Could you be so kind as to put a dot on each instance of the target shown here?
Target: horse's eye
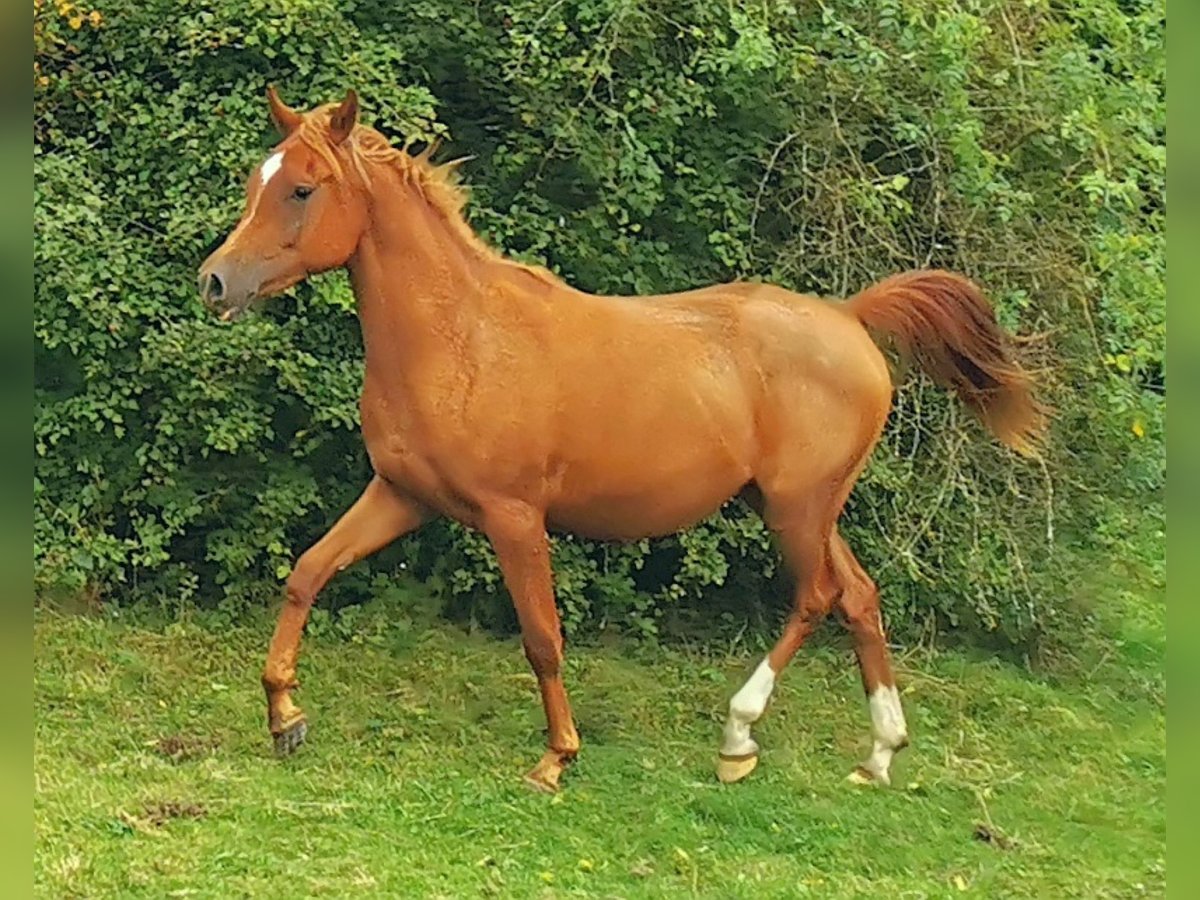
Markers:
(303, 192)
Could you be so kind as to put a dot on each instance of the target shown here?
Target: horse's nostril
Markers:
(215, 287)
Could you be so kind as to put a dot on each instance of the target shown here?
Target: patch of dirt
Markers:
(989, 834)
(182, 747)
(156, 815)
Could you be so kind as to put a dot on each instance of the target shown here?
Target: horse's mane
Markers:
(439, 185)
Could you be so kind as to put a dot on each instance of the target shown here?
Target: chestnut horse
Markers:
(500, 396)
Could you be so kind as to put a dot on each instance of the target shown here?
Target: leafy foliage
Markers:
(631, 148)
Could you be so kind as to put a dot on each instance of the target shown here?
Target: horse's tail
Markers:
(945, 322)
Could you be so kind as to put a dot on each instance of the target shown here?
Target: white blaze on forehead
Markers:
(272, 165)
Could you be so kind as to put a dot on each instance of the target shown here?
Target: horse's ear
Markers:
(344, 118)
(285, 118)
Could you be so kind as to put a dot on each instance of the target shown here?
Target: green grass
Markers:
(409, 785)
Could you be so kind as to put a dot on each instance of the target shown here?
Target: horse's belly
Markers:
(646, 506)
(655, 466)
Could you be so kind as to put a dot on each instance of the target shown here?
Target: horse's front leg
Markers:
(518, 535)
(377, 518)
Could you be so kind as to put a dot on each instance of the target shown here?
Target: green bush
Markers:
(631, 148)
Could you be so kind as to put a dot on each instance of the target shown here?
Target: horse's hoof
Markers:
(731, 769)
(538, 781)
(864, 776)
(288, 740)
(544, 776)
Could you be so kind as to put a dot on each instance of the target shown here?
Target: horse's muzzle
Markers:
(219, 293)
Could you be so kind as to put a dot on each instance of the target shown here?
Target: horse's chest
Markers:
(405, 456)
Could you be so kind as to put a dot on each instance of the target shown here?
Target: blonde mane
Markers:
(438, 185)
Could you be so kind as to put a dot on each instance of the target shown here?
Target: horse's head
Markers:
(305, 211)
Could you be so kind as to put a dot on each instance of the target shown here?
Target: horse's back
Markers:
(783, 333)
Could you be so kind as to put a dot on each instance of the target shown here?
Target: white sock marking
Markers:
(745, 708)
(273, 164)
(888, 730)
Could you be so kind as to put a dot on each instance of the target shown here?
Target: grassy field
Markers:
(154, 776)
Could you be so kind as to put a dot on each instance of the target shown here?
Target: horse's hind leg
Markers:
(858, 605)
(804, 537)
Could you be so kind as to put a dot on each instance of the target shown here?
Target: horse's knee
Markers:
(299, 594)
(277, 676)
(275, 680)
(544, 652)
(302, 585)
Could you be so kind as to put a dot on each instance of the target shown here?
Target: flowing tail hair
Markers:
(945, 323)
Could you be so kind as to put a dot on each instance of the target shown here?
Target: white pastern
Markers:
(888, 729)
(745, 708)
(271, 167)
(887, 718)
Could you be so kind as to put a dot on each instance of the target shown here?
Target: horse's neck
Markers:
(416, 281)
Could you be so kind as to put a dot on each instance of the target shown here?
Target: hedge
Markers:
(632, 148)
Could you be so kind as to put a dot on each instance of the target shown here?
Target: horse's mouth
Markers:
(233, 313)
(235, 309)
